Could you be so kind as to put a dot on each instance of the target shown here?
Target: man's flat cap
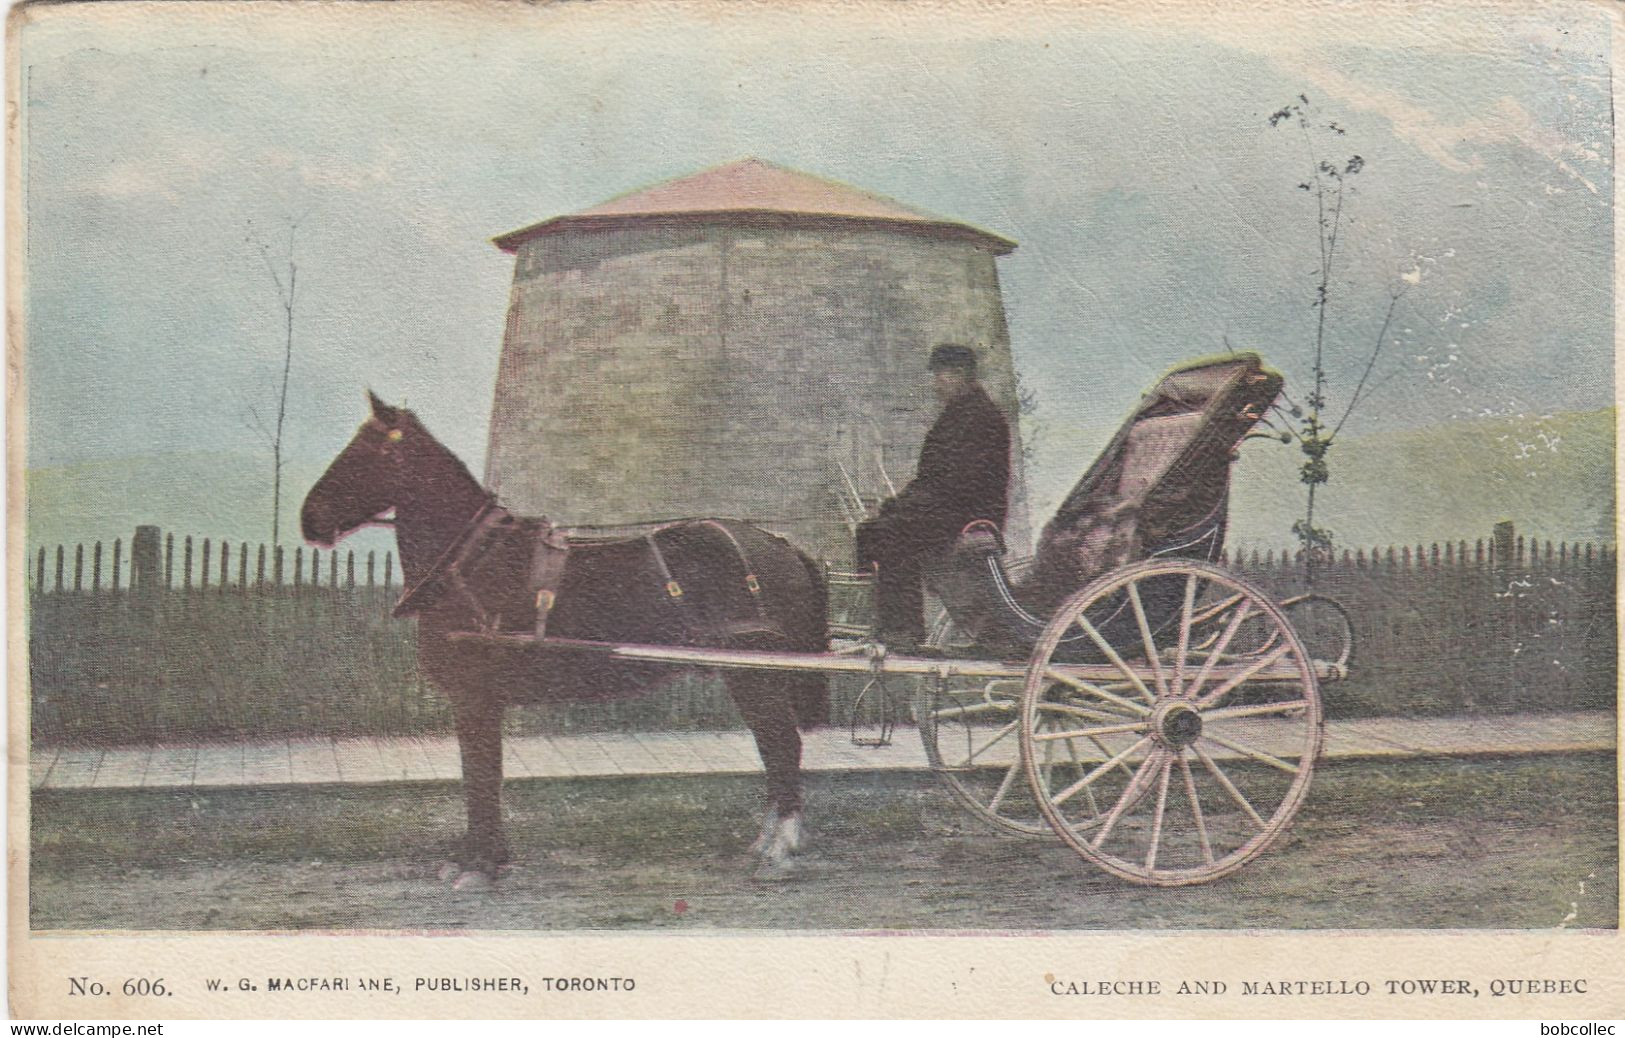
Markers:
(953, 357)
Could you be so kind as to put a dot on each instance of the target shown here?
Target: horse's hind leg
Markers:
(479, 736)
(772, 720)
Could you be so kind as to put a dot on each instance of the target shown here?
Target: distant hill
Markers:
(1553, 476)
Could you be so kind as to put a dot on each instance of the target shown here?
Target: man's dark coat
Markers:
(964, 474)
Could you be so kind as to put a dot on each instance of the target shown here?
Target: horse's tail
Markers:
(809, 690)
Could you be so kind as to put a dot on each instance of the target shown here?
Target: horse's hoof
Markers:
(785, 838)
(474, 880)
(764, 839)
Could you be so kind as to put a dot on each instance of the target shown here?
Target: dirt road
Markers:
(1515, 842)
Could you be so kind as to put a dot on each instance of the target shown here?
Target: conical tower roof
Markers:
(756, 193)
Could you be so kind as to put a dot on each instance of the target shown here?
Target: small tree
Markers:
(285, 275)
(1329, 184)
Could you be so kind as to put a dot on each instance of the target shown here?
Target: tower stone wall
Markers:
(702, 368)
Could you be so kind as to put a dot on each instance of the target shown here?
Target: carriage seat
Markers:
(974, 587)
(978, 540)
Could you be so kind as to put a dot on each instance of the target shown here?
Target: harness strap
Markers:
(674, 590)
(445, 569)
(466, 553)
(552, 549)
(752, 585)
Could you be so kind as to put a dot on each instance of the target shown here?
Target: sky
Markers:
(166, 149)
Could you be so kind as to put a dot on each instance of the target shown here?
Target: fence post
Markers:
(96, 569)
(259, 570)
(276, 565)
(186, 565)
(242, 568)
(298, 567)
(333, 568)
(369, 568)
(169, 560)
(203, 570)
(225, 565)
(118, 552)
(39, 576)
(349, 570)
(78, 567)
(1501, 545)
(389, 564)
(146, 555)
(315, 567)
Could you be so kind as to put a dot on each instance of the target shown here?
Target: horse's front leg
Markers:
(772, 720)
(479, 736)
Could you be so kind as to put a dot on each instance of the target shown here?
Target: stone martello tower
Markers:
(740, 342)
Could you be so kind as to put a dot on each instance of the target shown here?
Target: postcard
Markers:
(802, 509)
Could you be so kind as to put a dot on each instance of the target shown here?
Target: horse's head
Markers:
(382, 470)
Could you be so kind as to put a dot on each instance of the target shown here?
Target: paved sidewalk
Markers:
(292, 762)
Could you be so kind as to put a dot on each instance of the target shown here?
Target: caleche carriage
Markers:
(1157, 712)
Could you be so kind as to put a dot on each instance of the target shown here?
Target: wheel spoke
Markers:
(1006, 730)
(1101, 714)
(1095, 690)
(1089, 779)
(1196, 809)
(1150, 642)
(1241, 676)
(1216, 609)
(1184, 633)
(1077, 762)
(1111, 654)
(1083, 733)
(1131, 793)
(1105, 751)
(1156, 818)
(1255, 711)
(1218, 650)
(1256, 754)
(1229, 787)
(1004, 787)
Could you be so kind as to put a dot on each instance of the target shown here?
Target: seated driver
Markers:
(963, 476)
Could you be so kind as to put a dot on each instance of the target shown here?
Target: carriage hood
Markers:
(1166, 474)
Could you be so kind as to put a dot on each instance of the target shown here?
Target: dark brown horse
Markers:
(471, 566)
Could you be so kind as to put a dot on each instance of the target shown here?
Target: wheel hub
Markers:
(1177, 725)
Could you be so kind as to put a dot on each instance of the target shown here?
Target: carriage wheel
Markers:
(968, 727)
(1208, 743)
(1324, 626)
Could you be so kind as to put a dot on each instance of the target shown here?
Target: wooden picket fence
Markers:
(192, 639)
(1455, 628)
(216, 565)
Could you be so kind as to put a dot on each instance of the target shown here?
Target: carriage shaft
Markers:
(865, 663)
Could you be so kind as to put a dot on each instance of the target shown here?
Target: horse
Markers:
(469, 566)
